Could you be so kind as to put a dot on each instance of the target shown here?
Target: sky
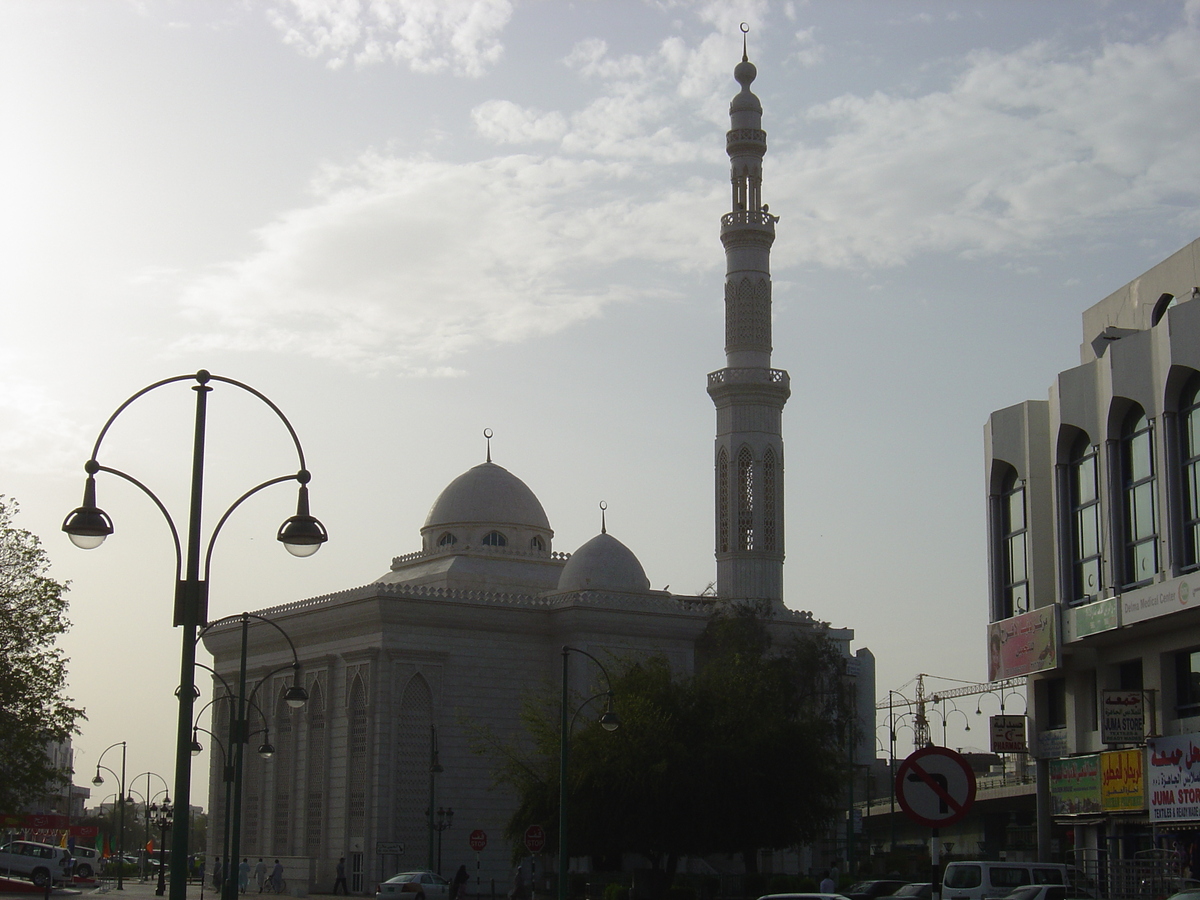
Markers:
(406, 221)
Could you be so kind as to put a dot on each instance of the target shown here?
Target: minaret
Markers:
(748, 393)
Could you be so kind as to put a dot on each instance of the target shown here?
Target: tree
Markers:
(33, 708)
(747, 753)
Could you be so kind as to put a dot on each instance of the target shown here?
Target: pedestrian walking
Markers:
(260, 874)
(340, 881)
(277, 877)
(244, 875)
(458, 885)
(217, 872)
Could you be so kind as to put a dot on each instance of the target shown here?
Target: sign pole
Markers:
(935, 859)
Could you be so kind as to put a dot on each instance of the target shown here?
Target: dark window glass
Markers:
(1189, 415)
(536, 543)
(1056, 703)
(1129, 674)
(1187, 681)
(1015, 574)
(1140, 560)
(959, 875)
(495, 539)
(447, 540)
(1087, 536)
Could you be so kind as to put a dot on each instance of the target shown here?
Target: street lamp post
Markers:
(445, 818)
(435, 769)
(163, 818)
(98, 780)
(88, 526)
(148, 804)
(609, 721)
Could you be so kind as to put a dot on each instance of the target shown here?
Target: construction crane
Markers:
(917, 704)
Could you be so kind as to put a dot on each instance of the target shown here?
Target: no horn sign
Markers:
(935, 786)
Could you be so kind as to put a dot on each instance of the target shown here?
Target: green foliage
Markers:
(747, 753)
(33, 709)
(616, 892)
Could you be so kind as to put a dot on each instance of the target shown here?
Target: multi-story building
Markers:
(1094, 559)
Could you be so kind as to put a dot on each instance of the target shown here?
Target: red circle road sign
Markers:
(535, 838)
(935, 786)
(478, 839)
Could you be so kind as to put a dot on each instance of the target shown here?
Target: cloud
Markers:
(504, 122)
(459, 36)
(1021, 147)
(407, 263)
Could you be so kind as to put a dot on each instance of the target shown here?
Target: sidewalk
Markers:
(133, 890)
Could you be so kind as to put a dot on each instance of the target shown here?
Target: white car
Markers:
(87, 861)
(40, 863)
(424, 885)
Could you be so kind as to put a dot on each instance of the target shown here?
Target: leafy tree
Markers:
(33, 708)
(747, 753)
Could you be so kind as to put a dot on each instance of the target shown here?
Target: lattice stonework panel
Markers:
(284, 764)
(412, 763)
(315, 805)
(745, 484)
(769, 530)
(356, 762)
(723, 501)
(748, 313)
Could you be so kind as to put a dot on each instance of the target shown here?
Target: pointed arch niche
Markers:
(412, 762)
(356, 756)
(314, 811)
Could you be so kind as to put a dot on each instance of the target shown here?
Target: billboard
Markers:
(1075, 785)
(1122, 782)
(1022, 644)
(1173, 778)
(1008, 734)
(1123, 717)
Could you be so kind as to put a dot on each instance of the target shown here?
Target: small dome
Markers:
(489, 494)
(745, 101)
(603, 564)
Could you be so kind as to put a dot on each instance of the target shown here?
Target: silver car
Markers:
(40, 863)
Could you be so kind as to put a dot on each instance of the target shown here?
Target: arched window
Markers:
(745, 486)
(536, 543)
(769, 500)
(1014, 571)
(1189, 461)
(495, 539)
(1140, 559)
(1086, 534)
(414, 746)
(722, 502)
(284, 763)
(447, 540)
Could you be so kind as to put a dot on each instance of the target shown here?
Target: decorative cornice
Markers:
(468, 550)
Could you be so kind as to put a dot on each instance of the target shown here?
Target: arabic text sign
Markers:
(1022, 644)
(1122, 717)
(1155, 600)
(1008, 734)
(1091, 618)
(1122, 785)
(1173, 777)
(1075, 785)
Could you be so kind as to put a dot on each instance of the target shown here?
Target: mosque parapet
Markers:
(751, 375)
(399, 562)
(743, 220)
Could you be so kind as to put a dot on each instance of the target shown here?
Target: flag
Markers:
(150, 845)
(63, 840)
(107, 848)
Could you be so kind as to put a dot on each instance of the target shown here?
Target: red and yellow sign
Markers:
(1122, 780)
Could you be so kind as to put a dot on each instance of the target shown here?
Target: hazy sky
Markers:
(408, 220)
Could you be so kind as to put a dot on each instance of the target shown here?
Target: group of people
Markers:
(274, 881)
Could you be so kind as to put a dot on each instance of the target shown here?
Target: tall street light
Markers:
(239, 730)
(164, 819)
(99, 780)
(609, 721)
(89, 525)
(435, 769)
(165, 790)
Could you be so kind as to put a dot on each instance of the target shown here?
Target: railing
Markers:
(748, 376)
(750, 217)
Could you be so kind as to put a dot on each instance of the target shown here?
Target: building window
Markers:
(1056, 703)
(495, 539)
(745, 486)
(1140, 560)
(1086, 537)
(447, 540)
(536, 543)
(1189, 451)
(722, 502)
(356, 762)
(1014, 575)
(315, 811)
(1187, 682)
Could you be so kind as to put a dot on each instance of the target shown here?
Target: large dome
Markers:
(603, 564)
(487, 494)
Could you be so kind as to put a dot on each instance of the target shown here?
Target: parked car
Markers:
(87, 861)
(920, 890)
(1048, 892)
(869, 890)
(423, 885)
(984, 879)
(813, 896)
(40, 863)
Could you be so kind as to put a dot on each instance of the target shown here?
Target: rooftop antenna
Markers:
(603, 526)
(487, 433)
(745, 30)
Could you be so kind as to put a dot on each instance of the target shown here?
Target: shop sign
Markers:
(1123, 717)
(1091, 618)
(1008, 734)
(1173, 778)
(1122, 785)
(1022, 644)
(1051, 744)
(1156, 600)
(1075, 785)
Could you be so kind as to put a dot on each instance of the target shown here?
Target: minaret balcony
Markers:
(750, 375)
(747, 223)
(753, 385)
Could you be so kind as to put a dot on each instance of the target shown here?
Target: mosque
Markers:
(401, 671)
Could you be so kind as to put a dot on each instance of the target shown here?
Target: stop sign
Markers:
(478, 839)
(535, 838)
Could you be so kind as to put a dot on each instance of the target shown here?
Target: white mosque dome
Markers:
(603, 564)
(487, 494)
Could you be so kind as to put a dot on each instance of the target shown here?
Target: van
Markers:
(987, 880)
